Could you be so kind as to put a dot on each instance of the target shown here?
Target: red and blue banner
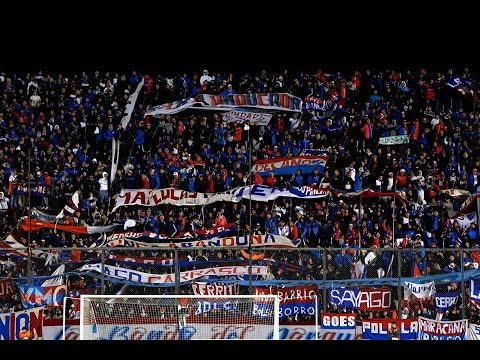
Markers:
(36, 189)
(32, 295)
(442, 330)
(6, 288)
(11, 324)
(294, 300)
(290, 165)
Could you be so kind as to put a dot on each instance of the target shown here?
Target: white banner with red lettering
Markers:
(172, 196)
(230, 241)
(218, 331)
(185, 276)
(203, 288)
(429, 329)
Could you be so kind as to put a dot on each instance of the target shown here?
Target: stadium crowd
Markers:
(56, 131)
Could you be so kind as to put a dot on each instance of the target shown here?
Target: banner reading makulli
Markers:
(290, 165)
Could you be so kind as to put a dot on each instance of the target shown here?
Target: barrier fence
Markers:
(165, 270)
(372, 284)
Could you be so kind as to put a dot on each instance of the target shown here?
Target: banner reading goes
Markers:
(344, 323)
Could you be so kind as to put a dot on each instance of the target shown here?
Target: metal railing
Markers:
(166, 270)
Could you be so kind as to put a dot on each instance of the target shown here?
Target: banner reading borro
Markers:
(380, 329)
(294, 300)
(290, 165)
(442, 330)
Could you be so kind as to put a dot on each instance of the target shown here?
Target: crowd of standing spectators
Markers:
(56, 131)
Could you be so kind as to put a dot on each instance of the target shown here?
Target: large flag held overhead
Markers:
(37, 225)
(269, 101)
(72, 205)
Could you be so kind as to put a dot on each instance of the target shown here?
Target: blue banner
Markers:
(334, 321)
(205, 306)
(390, 329)
(445, 301)
(262, 309)
(475, 291)
(345, 297)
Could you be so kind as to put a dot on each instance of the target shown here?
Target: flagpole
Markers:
(29, 234)
(250, 260)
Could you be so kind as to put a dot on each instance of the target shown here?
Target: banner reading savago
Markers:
(442, 330)
(374, 299)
